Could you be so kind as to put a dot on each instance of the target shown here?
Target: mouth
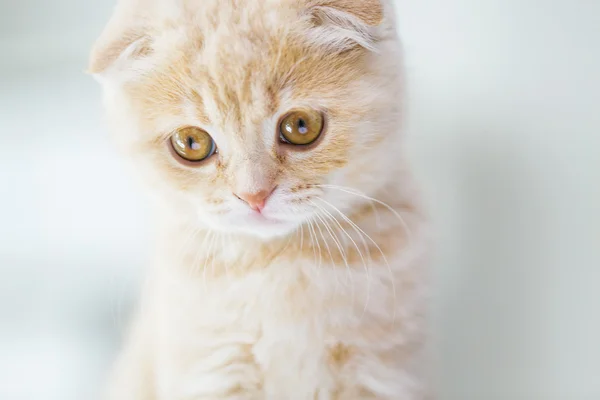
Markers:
(263, 225)
(261, 219)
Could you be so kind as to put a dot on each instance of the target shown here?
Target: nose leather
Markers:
(256, 200)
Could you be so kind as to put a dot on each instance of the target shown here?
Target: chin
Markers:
(256, 225)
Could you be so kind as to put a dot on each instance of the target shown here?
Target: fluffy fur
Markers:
(322, 295)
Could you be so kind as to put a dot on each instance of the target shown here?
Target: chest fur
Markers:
(282, 330)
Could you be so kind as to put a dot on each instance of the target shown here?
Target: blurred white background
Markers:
(504, 131)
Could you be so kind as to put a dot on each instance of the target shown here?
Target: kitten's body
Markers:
(320, 296)
(257, 321)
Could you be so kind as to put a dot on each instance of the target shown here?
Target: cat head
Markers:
(254, 116)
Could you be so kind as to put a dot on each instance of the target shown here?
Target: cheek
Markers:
(314, 166)
(196, 186)
(212, 194)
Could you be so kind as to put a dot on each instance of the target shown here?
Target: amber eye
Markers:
(193, 144)
(301, 127)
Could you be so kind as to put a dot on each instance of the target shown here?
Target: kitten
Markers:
(290, 254)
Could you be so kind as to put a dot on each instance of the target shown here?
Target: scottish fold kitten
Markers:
(290, 249)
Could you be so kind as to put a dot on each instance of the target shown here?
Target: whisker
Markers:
(340, 248)
(312, 240)
(319, 246)
(323, 237)
(334, 236)
(378, 248)
(356, 228)
(360, 232)
(338, 244)
(329, 230)
(358, 193)
(357, 249)
(387, 206)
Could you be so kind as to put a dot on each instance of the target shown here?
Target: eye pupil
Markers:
(192, 144)
(302, 127)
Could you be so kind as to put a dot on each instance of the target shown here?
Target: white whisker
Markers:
(340, 248)
(372, 199)
(342, 252)
(314, 239)
(323, 237)
(378, 248)
(357, 249)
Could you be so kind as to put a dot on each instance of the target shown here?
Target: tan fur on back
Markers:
(322, 296)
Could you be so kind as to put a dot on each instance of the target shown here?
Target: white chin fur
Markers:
(254, 225)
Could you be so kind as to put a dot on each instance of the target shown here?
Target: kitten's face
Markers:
(247, 129)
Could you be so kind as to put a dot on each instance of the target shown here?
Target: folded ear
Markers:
(124, 40)
(369, 12)
(341, 24)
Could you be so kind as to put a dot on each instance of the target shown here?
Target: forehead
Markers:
(240, 76)
(234, 67)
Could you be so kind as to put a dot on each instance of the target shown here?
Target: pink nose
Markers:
(257, 200)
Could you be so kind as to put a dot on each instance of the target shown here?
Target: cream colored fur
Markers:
(323, 296)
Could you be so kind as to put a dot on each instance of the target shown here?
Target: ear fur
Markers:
(124, 39)
(342, 24)
(369, 12)
(337, 24)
